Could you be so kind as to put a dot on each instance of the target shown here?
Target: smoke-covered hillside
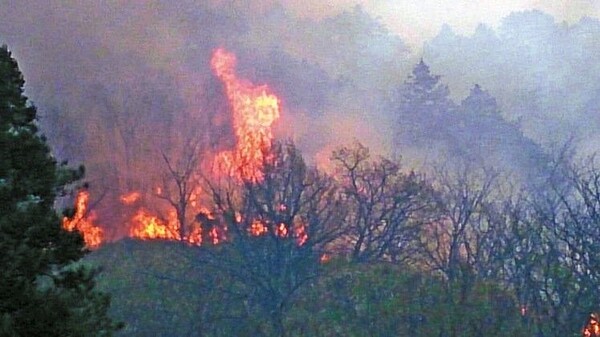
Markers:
(119, 83)
(544, 73)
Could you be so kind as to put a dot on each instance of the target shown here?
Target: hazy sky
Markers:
(414, 20)
(418, 20)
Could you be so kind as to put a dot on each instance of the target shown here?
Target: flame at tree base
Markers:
(254, 109)
(83, 222)
(148, 226)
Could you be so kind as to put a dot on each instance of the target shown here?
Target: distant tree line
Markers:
(372, 248)
(459, 250)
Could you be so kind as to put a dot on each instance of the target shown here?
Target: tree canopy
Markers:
(43, 291)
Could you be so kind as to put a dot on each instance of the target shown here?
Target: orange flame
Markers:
(130, 198)
(195, 237)
(257, 228)
(84, 221)
(254, 111)
(592, 327)
(255, 108)
(281, 231)
(215, 236)
(149, 226)
(300, 234)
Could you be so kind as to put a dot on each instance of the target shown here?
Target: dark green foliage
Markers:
(42, 293)
(160, 290)
(155, 289)
(423, 109)
(387, 300)
(271, 268)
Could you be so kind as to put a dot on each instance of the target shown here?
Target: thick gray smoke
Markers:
(545, 74)
(117, 82)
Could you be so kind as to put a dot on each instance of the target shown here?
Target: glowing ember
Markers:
(300, 234)
(281, 231)
(149, 226)
(195, 237)
(214, 236)
(209, 223)
(254, 111)
(130, 198)
(258, 228)
(592, 327)
(84, 221)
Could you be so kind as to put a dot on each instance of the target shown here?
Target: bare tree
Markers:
(459, 242)
(550, 249)
(276, 230)
(181, 184)
(382, 203)
(570, 217)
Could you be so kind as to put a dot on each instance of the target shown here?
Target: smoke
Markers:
(543, 72)
(119, 82)
(418, 21)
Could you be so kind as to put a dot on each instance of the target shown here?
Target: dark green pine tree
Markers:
(423, 108)
(44, 290)
(484, 135)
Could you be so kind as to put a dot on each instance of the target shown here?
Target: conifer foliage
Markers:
(423, 106)
(44, 290)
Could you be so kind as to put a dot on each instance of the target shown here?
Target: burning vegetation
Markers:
(186, 160)
(83, 221)
(254, 110)
(277, 222)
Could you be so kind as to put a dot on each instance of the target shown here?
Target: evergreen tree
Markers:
(424, 108)
(483, 131)
(484, 134)
(480, 102)
(43, 290)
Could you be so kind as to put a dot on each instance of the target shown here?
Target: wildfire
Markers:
(281, 231)
(254, 111)
(147, 226)
(301, 234)
(592, 327)
(130, 198)
(258, 228)
(83, 221)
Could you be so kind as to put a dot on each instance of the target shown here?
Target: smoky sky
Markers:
(150, 59)
(118, 82)
(96, 67)
(418, 21)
